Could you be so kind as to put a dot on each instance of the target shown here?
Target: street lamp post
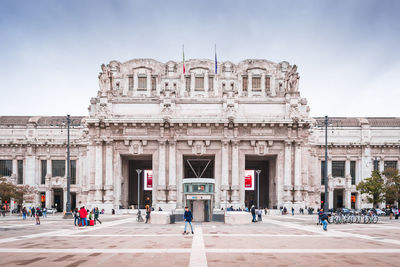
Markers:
(138, 187)
(258, 188)
(68, 213)
(326, 206)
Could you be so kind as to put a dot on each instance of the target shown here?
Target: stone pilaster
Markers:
(224, 170)
(235, 172)
(288, 172)
(161, 186)
(98, 180)
(172, 172)
(109, 172)
(297, 173)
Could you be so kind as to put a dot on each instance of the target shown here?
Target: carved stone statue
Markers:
(105, 79)
(292, 79)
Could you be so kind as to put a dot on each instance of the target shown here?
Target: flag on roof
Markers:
(183, 54)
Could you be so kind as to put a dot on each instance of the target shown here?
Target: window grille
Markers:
(210, 83)
(188, 83)
(322, 172)
(5, 168)
(73, 171)
(256, 83)
(20, 171)
(353, 172)
(244, 83)
(267, 83)
(338, 168)
(154, 83)
(44, 171)
(58, 168)
(142, 83)
(130, 80)
(199, 83)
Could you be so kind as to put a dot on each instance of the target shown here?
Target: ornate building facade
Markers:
(192, 137)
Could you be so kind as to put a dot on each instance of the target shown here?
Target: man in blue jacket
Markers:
(187, 217)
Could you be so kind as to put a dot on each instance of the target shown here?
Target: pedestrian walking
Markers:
(320, 212)
(24, 213)
(148, 211)
(44, 212)
(38, 214)
(187, 216)
(96, 215)
(292, 211)
(33, 212)
(77, 220)
(253, 213)
(324, 219)
(82, 214)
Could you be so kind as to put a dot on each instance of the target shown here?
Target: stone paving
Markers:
(276, 241)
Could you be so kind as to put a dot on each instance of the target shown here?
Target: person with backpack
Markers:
(148, 212)
(77, 220)
(96, 215)
(187, 217)
(38, 214)
(253, 213)
(324, 220)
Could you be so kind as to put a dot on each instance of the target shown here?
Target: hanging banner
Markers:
(148, 179)
(249, 179)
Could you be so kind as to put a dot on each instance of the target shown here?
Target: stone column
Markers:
(64, 199)
(117, 180)
(381, 164)
(263, 90)
(249, 83)
(135, 82)
(179, 190)
(272, 86)
(98, 180)
(161, 172)
(192, 83)
(172, 172)
(15, 168)
(49, 201)
(224, 170)
(330, 197)
(109, 173)
(235, 172)
(288, 172)
(148, 85)
(358, 201)
(297, 173)
(206, 81)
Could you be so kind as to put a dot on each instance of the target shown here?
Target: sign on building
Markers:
(249, 179)
(148, 179)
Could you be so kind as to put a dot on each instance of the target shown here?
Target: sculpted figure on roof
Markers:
(104, 79)
(292, 79)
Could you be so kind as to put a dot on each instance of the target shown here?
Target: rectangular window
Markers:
(390, 165)
(58, 168)
(73, 171)
(142, 83)
(199, 83)
(267, 83)
(130, 81)
(338, 168)
(353, 172)
(244, 83)
(256, 83)
(154, 83)
(5, 168)
(44, 171)
(210, 83)
(188, 83)
(20, 171)
(376, 165)
(322, 172)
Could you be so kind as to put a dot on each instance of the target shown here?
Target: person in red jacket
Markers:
(82, 215)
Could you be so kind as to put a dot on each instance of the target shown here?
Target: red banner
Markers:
(249, 180)
(148, 179)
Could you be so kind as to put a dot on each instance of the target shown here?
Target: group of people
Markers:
(86, 217)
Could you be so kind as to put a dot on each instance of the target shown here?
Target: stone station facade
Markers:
(197, 132)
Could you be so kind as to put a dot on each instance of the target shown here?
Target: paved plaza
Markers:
(121, 241)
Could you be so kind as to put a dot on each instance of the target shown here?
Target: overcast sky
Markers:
(347, 51)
